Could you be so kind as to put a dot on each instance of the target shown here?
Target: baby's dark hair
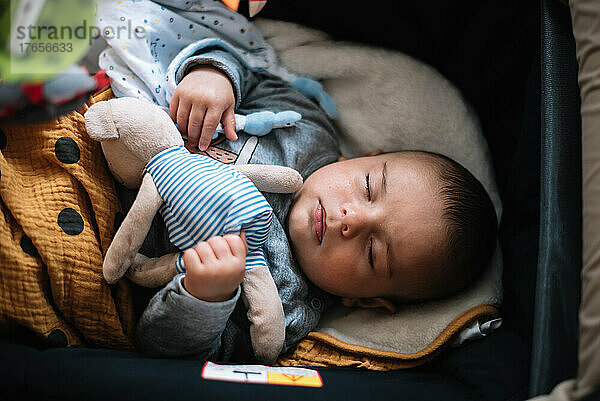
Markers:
(471, 224)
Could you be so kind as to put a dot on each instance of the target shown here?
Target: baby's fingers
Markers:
(220, 247)
(205, 252)
(191, 258)
(211, 120)
(228, 121)
(195, 124)
(237, 244)
(183, 114)
(173, 107)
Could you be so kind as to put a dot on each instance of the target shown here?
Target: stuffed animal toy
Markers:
(198, 197)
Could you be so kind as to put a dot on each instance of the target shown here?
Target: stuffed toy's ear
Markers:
(270, 178)
(99, 122)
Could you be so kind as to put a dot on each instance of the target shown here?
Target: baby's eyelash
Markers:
(368, 187)
(371, 252)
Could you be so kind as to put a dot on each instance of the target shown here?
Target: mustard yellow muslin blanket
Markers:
(59, 214)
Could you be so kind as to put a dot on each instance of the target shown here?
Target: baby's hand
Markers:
(203, 98)
(215, 268)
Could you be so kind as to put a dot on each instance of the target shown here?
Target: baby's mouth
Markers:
(320, 225)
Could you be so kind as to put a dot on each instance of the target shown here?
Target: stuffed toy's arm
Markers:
(156, 272)
(132, 232)
(271, 178)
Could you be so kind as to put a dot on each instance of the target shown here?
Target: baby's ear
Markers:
(373, 153)
(376, 302)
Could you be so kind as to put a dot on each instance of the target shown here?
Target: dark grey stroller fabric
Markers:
(554, 345)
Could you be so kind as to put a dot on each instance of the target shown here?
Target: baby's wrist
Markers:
(205, 68)
(199, 67)
(209, 75)
(218, 296)
(183, 291)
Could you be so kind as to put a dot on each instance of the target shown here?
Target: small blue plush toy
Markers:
(314, 90)
(262, 122)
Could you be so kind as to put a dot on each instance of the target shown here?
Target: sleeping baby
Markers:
(375, 231)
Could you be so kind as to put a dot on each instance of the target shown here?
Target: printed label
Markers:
(262, 374)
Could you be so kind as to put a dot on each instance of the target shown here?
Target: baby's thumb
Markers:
(228, 120)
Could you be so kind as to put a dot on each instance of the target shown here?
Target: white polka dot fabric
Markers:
(144, 38)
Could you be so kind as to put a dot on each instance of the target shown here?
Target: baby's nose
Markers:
(353, 222)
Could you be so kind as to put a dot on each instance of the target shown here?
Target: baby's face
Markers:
(369, 227)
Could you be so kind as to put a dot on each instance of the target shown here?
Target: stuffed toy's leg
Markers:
(130, 236)
(265, 312)
(153, 272)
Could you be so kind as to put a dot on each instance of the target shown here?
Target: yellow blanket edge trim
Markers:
(451, 329)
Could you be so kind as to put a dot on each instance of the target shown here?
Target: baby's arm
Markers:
(188, 316)
(176, 324)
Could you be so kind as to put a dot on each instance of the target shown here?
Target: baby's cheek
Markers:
(337, 266)
(319, 269)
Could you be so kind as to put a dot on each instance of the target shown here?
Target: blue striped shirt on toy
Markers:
(204, 198)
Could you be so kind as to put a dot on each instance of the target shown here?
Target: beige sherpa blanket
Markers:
(390, 101)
